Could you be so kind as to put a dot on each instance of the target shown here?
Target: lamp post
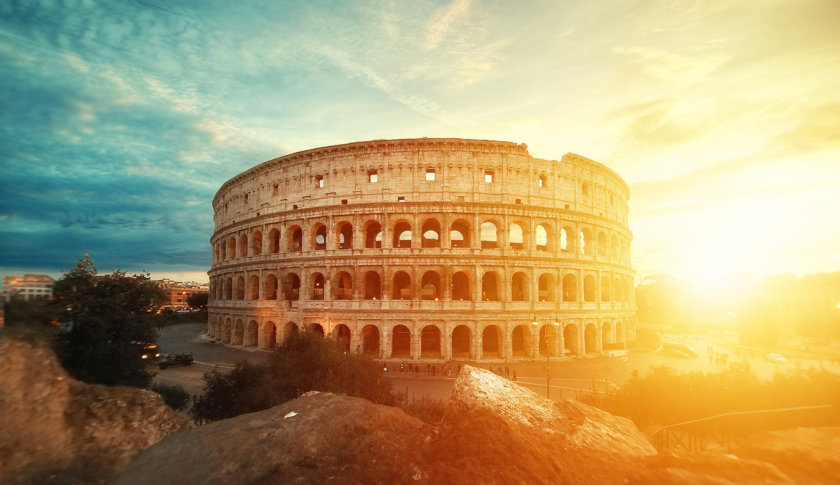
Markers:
(550, 335)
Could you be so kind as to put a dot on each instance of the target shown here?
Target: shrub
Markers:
(301, 364)
(174, 396)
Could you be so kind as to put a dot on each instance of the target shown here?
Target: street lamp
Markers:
(550, 335)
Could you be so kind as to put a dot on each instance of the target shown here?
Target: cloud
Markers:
(439, 26)
(680, 69)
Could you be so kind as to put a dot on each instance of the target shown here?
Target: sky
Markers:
(119, 121)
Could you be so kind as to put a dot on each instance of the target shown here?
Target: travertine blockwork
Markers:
(425, 249)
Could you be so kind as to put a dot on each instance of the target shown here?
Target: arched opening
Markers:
(373, 235)
(606, 333)
(373, 286)
(402, 235)
(430, 233)
(345, 236)
(229, 289)
(548, 335)
(566, 241)
(343, 286)
(318, 284)
(270, 332)
(232, 248)
(238, 332)
(546, 287)
(295, 239)
(243, 246)
(605, 288)
(291, 331)
(489, 235)
(459, 236)
(589, 289)
(461, 286)
(619, 332)
(587, 246)
(569, 288)
(223, 251)
(319, 237)
(240, 288)
(517, 236)
(570, 339)
(370, 340)
(519, 287)
(342, 337)
(292, 287)
(401, 342)
(519, 340)
(256, 243)
(270, 287)
(461, 342)
(603, 245)
(402, 286)
(430, 286)
(430, 342)
(274, 241)
(541, 237)
(490, 286)
(251, 334)
(491, 342)
(253, 287)
(316, 329)
(590, 339)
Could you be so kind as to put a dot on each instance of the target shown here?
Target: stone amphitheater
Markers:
(425, 249)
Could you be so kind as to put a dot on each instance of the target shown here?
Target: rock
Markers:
(495, 431)
(317, 438)
(54, 428)
(707, 469)
(808, 455)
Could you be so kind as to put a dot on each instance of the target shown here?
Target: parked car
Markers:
(169, 360)
(677, 349)
(776, 358)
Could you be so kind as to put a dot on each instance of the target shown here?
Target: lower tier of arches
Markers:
(421, 337)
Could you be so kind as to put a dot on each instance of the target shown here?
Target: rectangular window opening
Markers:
(488, 177)
(373, 177)
(400, 199)
(344, 201)
(430, 175)
(319, 181)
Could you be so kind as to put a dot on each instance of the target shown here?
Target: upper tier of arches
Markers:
(544, 236)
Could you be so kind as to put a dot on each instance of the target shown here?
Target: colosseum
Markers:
(428, 249)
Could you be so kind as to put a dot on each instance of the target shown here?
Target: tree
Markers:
(198, 300)
(303, 363)
(111, 316)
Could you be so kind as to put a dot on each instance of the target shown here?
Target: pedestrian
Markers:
(514, 375)
(402, 367)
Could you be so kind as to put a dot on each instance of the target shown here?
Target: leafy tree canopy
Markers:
(198, 300)
(111, 316)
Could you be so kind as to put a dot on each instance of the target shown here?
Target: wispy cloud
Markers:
(441, 23)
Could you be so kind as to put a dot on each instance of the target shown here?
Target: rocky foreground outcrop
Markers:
(55, 429)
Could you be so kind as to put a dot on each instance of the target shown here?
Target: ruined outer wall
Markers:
(283, 256)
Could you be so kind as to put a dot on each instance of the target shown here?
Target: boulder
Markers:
(709, 468)
(54, 428)
(495, 431)
(317, 438)
(808, 455)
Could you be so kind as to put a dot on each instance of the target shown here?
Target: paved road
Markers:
(568, 376)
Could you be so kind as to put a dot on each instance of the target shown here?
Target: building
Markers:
(28, 287)
(425, 249)
(177, 293)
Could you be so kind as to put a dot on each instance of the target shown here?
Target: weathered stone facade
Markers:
(425, 249)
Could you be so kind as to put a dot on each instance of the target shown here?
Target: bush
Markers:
(301, 364)
(425, 409)
(174, 396)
